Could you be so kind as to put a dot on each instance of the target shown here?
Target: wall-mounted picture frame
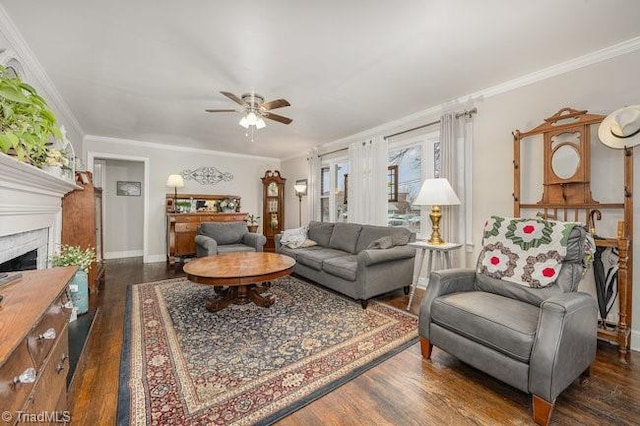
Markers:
(125, 188)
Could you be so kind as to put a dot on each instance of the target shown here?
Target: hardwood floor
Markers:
(404, 390)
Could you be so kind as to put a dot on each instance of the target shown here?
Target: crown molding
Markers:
(619, 49)
(33, 67)
(168, 147)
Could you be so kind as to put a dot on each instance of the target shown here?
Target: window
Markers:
(333, 206)
(413, 161)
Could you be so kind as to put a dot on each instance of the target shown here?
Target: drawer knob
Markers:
(28, 376)
(60, 365)
(50, 334)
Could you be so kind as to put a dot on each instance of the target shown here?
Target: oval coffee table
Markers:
(243, 272)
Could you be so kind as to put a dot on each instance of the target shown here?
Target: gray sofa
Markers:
(538, 340)
(226, 237)
(343, 261)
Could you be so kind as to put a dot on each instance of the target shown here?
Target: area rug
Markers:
(245, 364)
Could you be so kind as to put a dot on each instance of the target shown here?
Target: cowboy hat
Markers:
(621, 128)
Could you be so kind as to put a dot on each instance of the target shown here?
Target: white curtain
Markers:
(313, 187)
(455, 150)
(367, 186)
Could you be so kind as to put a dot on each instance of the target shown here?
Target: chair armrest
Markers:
(371, 257)
(440, 283)
(254, 240)
(565, 345)
(276, 241)
(206, 246)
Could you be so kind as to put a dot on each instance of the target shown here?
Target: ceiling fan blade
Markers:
(276, 117)
(233, 97)
(220, 110)
(278, 103)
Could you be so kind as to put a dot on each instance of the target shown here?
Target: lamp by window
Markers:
(301, 189)
(175, 182)
(436, 193)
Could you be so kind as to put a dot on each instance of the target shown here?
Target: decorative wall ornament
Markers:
(207, 175)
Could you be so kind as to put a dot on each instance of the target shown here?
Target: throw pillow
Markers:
(305, 244)
(528, 252)
(294, 238)
(381, 243)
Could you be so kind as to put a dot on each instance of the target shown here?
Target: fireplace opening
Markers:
(24, 262)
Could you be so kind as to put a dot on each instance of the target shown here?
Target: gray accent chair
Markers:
(344, 259)
(226, 237)
(536, 340)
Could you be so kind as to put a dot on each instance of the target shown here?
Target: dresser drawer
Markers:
(15, 394)
(52, 381)
(187, 227)
(42, 337)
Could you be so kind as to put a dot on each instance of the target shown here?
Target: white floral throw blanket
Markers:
(528, 252)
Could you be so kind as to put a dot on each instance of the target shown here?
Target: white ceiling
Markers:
(147, 69)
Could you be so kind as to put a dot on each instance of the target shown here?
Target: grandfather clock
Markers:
(272, 207)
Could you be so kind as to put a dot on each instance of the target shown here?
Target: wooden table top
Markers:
(239, 268)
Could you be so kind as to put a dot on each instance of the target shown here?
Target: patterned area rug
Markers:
(245, 364)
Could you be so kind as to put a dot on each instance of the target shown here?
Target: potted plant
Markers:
(252, 222)
(79, 285)
(26, 123)
(55, 162)
(228, 205)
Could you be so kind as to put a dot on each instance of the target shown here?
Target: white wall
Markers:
(124, 215)
(295, 169)
(165, 160)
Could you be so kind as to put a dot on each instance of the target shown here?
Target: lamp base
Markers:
(435, 216)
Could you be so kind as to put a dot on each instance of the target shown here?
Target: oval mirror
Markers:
(565, 161)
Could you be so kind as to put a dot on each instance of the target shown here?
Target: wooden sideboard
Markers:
(34, 345)
(183, 227)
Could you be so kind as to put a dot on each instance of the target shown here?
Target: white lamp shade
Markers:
(175, 181)
(260, 123)
(436, 192)
(300, 188)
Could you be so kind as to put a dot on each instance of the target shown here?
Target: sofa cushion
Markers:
(343, 267)
(370, 233)
(381, 243)
(230, 248)
(345, 236)
(506, 325)
(314, 256)
(535, 296)
(224, 232)
(320, 232)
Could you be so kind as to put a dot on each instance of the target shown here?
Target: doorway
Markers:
(124, 182)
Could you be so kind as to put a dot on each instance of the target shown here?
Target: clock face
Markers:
(272, 190)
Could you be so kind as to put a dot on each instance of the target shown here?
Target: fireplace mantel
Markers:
(30, 200)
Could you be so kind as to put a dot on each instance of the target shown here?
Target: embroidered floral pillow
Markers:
(524, 251)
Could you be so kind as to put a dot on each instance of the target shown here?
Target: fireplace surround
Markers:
(30, 210)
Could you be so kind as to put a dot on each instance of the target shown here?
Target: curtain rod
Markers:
(467, 113)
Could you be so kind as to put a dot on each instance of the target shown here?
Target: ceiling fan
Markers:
(254, 108)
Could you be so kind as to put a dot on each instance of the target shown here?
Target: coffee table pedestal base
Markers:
(241, 295)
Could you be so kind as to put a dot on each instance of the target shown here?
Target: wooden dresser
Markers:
(34, 346)
(183, 227)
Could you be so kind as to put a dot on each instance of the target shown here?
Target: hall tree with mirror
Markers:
(567, 146)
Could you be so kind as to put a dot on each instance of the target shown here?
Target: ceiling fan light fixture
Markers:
(260, 123)
(252, 118)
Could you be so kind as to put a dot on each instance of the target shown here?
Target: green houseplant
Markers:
(79, 285)
(26, 123)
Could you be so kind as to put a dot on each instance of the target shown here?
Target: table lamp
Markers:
(436, 193)
(175, 182)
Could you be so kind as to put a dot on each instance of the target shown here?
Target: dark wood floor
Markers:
(404, 390)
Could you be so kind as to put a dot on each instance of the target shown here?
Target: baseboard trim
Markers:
(123, 254)
(155, 258)
(635, 340)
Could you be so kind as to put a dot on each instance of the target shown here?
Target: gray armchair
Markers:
(226, 237)
(538, 340)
